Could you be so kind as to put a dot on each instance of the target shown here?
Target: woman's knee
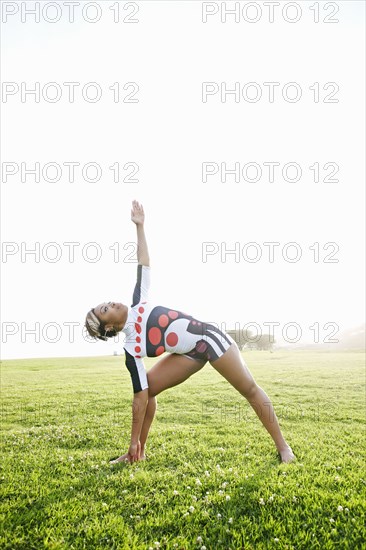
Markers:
(250, 389)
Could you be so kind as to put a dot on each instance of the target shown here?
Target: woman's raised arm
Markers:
(138, 217)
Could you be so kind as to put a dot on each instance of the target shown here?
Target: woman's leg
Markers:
(171, 370)
(232, 367)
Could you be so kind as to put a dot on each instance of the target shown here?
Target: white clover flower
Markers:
(207, 474)
(191, 509)
(261, 501)
(271, 498)
(230, 469)
(138, 517)
(230, 520)
(131, 476)
(224, 484)
(346, 509)
(186, 514)
(157, 544)
(199, 540)
(221, 492)
(194, 497)
(228, 497)
(340, 508)
(198, 482)
(104, 504)
(276, 539)
(337, 478)
(175, 492)
(203, 548)
(294, 499)
(332, 520)
(218, 516)
(188, 486)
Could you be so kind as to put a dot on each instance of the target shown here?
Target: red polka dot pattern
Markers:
(139, 319)
(137, 349)
(154, 335)
(159, 350)
(138, 328)
(138, 339)
(141, 309)
(163, 320)
(138, 356)
(173, 314)
(172, 339)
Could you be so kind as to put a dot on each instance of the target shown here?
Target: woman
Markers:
(150, 331)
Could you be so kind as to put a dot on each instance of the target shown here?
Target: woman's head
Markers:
(106, 320)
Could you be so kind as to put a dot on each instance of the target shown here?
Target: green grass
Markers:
(63, 419)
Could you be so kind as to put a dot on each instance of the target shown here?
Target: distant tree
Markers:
(265, 343)
(241, 337)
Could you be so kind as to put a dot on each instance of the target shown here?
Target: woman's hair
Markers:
(96, 328)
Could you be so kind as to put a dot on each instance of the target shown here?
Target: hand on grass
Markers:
(133, 455)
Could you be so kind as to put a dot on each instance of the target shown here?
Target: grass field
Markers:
(212, 479)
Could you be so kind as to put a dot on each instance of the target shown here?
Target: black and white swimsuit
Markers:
(151, 330)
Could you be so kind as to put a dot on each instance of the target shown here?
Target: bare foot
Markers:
(286, 454)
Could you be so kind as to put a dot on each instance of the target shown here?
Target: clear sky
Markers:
(162, 141)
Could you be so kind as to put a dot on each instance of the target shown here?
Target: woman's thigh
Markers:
(232, 367)
(171, 370)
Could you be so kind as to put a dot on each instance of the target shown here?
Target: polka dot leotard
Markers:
(151, 330)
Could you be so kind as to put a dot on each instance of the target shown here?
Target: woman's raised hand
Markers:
(137, 213)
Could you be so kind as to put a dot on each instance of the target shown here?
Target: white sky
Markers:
(169, 133)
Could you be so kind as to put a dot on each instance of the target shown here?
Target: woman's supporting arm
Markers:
(139, 405)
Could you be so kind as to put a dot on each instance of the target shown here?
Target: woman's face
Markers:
(112, 314)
